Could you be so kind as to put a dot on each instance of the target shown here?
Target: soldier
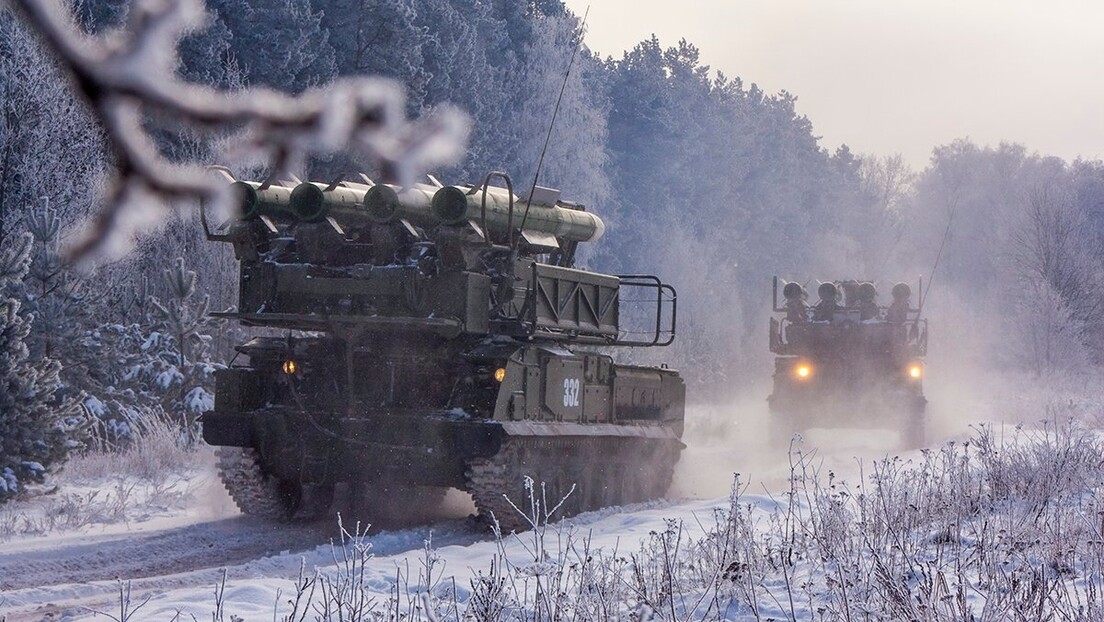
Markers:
(825, 310)
(797, 310)
(868, 309)
(898, 311)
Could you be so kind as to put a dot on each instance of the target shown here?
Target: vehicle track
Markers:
(134, 556)
(75, 580)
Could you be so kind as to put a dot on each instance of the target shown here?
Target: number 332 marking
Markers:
(571, 392)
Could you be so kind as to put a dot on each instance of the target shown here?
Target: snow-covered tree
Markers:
(1022, 250)
(278, 43)
(132, 75)
(50, 146)
(181, 322)
(54, 294)
(378, 37)
(576, 156)
(37, 429)
(1057, 281)
(161, 362)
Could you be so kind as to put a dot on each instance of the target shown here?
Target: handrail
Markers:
(633, 280)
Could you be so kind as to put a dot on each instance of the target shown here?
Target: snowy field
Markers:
(1002, 523)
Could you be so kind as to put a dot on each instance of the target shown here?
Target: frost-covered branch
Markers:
(131, 73)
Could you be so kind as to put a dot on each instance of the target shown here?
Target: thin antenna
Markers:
(555, 112)
(938, 256)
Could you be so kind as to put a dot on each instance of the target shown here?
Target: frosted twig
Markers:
(131, 73)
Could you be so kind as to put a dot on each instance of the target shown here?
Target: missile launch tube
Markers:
(355, 204)
(452, 205)
(253, 201)
(314, 201)
(387, 203)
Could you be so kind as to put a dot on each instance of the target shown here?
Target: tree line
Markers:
(702, 178)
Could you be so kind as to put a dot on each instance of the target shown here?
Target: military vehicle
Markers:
(430, 337)
(848, 361)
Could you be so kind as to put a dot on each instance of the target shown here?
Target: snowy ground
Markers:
(176, 553)
(182, 552)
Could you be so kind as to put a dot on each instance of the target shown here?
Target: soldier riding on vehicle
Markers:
(857, 364)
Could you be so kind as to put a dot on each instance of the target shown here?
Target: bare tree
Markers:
(885, 183)
(1057, 277)
(129, 75)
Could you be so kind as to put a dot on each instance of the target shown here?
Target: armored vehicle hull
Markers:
(420, 358)
(436, 417)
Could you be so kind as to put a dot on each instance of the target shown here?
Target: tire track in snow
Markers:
(73, 581)
(134, 556)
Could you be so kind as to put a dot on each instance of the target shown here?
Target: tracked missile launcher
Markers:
(430, 337)
(848, 361)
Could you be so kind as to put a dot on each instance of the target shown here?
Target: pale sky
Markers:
(897, 76)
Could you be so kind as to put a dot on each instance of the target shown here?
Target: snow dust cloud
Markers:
(1007, 244)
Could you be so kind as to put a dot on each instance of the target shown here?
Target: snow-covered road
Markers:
(72, 578)
(176, 560)
(211, 544)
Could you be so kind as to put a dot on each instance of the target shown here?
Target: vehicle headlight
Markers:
(915, 371)
(290, 367)
(500, 374)
(803, 371)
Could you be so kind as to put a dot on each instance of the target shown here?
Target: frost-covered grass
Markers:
(105, 486)
(1008, 525)
(159, 450)
(1000, 527)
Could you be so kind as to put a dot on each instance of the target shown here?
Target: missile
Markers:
(354, 204)
(453, 205)
(386, 203)
(315, 202)
(255, 201)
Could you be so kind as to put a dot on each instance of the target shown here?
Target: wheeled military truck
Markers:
(847, 361)
(430, 337)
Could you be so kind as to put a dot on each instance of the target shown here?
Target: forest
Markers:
(702, 178)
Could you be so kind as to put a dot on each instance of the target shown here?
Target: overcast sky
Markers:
(897, 76)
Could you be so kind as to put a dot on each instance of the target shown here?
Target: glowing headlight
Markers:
(500, 374)
(290, 367)
(803, 371)
(915, 371)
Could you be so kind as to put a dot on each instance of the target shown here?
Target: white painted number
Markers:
(571, 392)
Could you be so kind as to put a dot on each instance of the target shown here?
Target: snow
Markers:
(95, 407)
(168, 377)
(926, 545)
(252, 590)
(34, 467)
(8, 481)
(199, 400)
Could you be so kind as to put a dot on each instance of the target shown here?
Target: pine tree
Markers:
(37, 431)
(53, 294)
(180, 322)
(378, 37)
